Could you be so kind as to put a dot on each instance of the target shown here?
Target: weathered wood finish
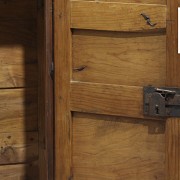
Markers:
(134, 1)
(63, 131)
(45, 92)
(107, 52)
(107, 99)
(17, 113)
(18, 90)
(173, 79)
(18, 147)
(99, 92)
(18, 54)
(15, 75)
(109, 147)
(116, 16)
(19, 171)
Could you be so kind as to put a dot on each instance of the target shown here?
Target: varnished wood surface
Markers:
(173, 79)
(108, 147)
(98, 98)
(18, 147)
(19, 171)
(18, 110)
(18, 75)
(107, 99)
(116, 16)
(173, 58)
(18, 54)
(134, 1)
(172, 149)
(134, 59)
(96, 139)
(62, 58)
(18, 105)
(45, 92)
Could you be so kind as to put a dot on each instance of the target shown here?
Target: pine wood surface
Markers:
(109, 147)
(100, 92)
(116, 16)
(18, 90)
(19, 171)
(106, 57)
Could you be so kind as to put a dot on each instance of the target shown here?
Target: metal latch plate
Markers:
(161, 102)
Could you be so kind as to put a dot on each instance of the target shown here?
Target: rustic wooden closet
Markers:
(116, 114)
(89, 90)
(26, 90)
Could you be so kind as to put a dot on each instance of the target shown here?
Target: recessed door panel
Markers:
(106, 52)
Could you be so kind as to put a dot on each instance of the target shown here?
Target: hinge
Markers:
(162, 102)
(52, 70)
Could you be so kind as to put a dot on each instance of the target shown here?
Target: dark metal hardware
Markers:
(148, 20)
(79, 68)
(162, 102)
(52, 70)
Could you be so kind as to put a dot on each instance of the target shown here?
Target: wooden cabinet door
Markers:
(105, 53)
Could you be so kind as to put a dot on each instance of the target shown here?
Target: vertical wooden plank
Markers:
(173, 149)
(46, 160)
(62, 38)
(173, 59)
(41, 92)
(173, 79)
(49, 88)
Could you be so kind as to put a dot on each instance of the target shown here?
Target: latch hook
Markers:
(148, 20)
(165, 93)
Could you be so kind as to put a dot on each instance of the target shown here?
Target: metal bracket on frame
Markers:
(161, 102)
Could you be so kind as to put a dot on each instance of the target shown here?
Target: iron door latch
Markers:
(161, 102)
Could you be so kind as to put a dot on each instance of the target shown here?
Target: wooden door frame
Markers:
(45, 90)
(62, 59)
(173, 80)
(62, 42)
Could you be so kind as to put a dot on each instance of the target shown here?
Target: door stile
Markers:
(62, 40)
(173, 80)
(45, 90)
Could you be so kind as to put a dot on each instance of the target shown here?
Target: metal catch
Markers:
(148, 20)
(162, 102)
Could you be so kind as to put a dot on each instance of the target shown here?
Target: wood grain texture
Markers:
(18, 107)
(18, 54)
(19, 171)
(173, 149)
(134, 59)
(18, 110)
(18, 75)
(42, 97)
(116, 16)
(45, 92)
(18, 147)
(15, 9)
(108, 147)
(173, 79)
(107, 99)
(134, 1)
(62, 58)
(173, 58)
